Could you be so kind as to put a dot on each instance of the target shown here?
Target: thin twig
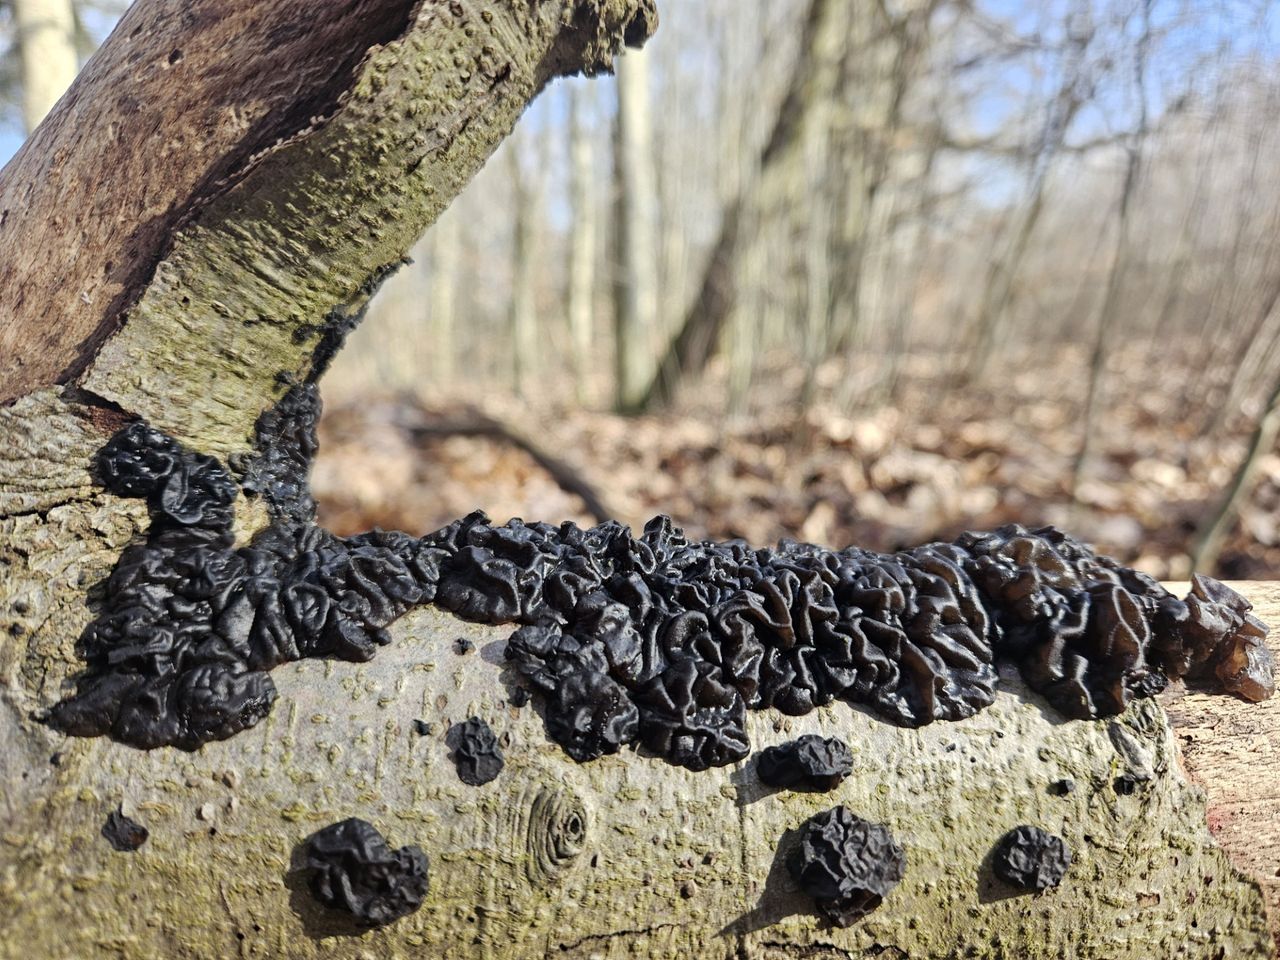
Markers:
(474, 423)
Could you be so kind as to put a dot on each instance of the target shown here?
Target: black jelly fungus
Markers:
(476, 752)
(847, 864)
(1062, 788)
(463, 645)
(352, 869)
(520, 697)
(652, 639)
(810, 762)
(421, 727)
(1030, 858)
(124, 833)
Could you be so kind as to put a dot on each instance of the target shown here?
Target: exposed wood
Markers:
(1232, 750)
(669, 863)
(237, 177)
(287, 251)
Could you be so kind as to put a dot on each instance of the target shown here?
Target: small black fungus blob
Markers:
(354, 870)
(846, 864)
(520, 697)
(124, 833)
(1127, 784)
(422, 728)
(651, 639)
(475, 752)
(1031, 859)
(810, 762)
(463, 645)
(1062, 788)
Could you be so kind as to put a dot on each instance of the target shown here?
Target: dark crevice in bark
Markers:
(614, 935)
(106, 415)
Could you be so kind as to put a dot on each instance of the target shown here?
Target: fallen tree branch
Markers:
(421, 424)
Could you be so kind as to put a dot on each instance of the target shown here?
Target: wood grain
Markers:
(1232, 750)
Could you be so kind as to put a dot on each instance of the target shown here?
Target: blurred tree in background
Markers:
(44, 43)
(857, 272)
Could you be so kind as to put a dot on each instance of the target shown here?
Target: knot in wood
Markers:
(558, 827)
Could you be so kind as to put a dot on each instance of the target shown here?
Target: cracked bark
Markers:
(233, 240)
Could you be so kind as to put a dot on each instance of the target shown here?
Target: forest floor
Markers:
(883, 477)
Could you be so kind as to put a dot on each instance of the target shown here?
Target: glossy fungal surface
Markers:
(651, 639)
(353, 870)
(847, 864)
(124, 833)
(1032, 859)
(476, 752)
(810, 762)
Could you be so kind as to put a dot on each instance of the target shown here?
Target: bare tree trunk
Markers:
(522, 314)
(997, 290)
(444, 239)
(1217, 524)
(1107, 313)
(695, 341)
(47, 45)
(582, 241)
(881, 66)
(635, 286)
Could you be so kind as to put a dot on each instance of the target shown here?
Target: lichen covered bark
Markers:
(624, 856)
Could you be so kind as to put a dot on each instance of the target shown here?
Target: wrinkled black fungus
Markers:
(808, 763)
(520, 697)
(462, 645)
(421, 727)
(651, 639)
(475, 752)
(124, 833)
(1031, 859)
(353, 870)
(846, 864)
(287, 444)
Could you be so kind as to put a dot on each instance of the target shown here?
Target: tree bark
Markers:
(252, 287)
